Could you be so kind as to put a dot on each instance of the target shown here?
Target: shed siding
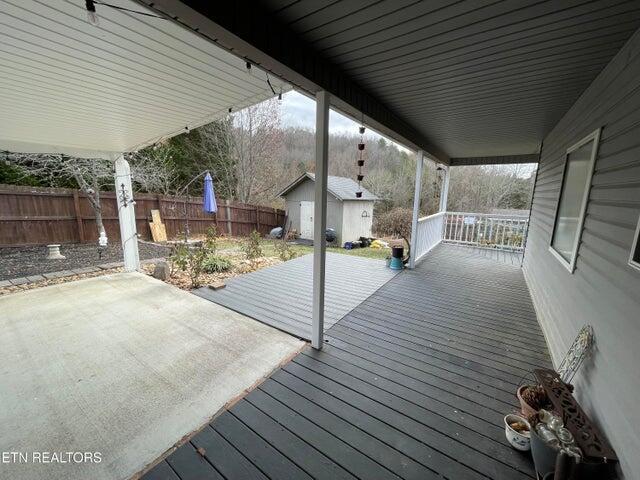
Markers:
(603, 291)
(354, 225)
(305, 192)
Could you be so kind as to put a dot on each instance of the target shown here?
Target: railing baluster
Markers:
(481, 229)
(473, 230)
(484, 232)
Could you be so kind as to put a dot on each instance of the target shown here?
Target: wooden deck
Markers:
(503, 256)
(281, 296)
(412, 384)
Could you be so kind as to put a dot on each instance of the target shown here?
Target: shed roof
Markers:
(342, 188)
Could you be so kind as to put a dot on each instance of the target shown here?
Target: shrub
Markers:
(211, 240)
(196, 259)
(394, 223)
(284, 250)
(251, 246)
(216, 264)
(190, 259)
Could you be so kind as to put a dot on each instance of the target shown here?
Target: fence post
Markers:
(79, 221)
(229, 231)
(257, 219)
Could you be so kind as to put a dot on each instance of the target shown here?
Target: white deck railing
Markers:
(506, 232)
(429, 234)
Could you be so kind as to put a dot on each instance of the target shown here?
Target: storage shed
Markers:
(351, 217)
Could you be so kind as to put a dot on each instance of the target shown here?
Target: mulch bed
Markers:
(25, 261)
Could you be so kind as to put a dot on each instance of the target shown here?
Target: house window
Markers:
(634, 258)
(574, 194)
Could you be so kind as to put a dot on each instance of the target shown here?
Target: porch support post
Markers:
(126, 215)
(444, 194)
(320, 217)
(416, 208)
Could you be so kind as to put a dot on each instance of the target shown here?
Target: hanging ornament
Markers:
(360, 162)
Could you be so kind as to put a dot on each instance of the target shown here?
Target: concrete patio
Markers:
(123, 365)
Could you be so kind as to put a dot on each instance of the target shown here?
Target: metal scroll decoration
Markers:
(591, 441)
(360, 162)
(580, 349)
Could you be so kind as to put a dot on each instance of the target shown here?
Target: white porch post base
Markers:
(320, 218)
(416, 208)
(126, 215)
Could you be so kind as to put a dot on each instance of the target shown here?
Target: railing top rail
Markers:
(494, 215)
(429, 217)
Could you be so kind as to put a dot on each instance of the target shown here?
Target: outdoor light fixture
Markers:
(92, 16)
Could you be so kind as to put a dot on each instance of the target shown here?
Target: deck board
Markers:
(281, 296)
(412, 383)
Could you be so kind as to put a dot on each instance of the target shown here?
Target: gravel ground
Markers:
(24, 261)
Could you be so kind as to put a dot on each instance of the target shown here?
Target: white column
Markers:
(444, 194)
(126, 215)
(320, 217)
(416, 208)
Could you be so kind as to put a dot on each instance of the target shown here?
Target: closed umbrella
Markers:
(209, 202)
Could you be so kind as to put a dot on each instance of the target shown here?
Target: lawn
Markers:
(231, 249)
(268, 248)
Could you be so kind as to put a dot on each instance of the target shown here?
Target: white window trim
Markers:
(632, 262)
(595, 136)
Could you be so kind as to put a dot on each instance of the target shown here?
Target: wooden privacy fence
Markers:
(39, 216)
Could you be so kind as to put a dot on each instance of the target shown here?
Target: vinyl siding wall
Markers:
(604, 290)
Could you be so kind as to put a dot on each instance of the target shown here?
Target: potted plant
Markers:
(532, 398)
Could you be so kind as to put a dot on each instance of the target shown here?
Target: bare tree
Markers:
(153, 169)
(152, 173)
(256, 140)
(211, 147)
(91, 174)
(483, 188)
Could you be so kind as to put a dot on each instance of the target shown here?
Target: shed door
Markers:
(306, 220)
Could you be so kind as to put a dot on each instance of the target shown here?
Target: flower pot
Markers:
(361, 146)
(360, 178)
(518, 440)
(525, 408)
(361, 163)
(358, 194)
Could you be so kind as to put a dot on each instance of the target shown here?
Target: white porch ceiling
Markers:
(71, 87)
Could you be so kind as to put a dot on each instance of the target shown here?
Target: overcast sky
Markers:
(300, 111)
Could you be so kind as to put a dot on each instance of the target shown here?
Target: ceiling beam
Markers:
(495, 160)
(247, 29)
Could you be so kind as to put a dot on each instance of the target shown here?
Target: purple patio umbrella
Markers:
(209, 204)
